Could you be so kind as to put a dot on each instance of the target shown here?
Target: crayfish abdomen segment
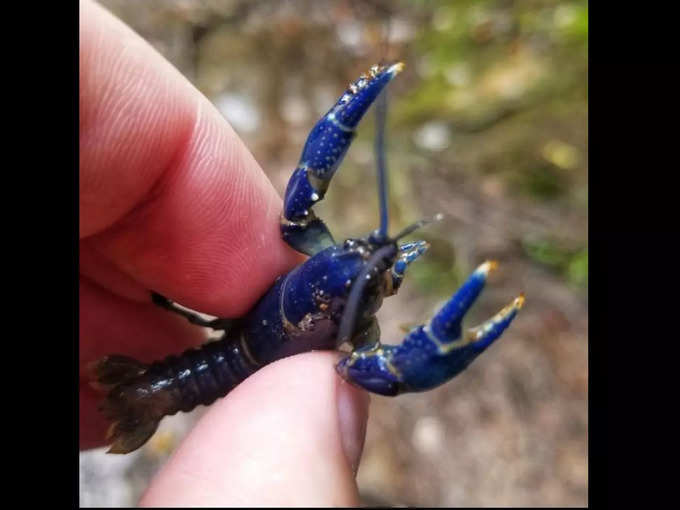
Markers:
(199, 376)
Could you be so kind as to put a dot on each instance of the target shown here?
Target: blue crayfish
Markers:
(328, 300)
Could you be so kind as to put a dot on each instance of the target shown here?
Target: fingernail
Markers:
(353, 416)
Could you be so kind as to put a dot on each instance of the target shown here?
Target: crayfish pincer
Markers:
(328, 300)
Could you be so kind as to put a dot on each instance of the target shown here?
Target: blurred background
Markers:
(487, 125)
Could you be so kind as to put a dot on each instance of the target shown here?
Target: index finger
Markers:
(169, 195)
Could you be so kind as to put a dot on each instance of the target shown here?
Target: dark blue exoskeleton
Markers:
(328, 300)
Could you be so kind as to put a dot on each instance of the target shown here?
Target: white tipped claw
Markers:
(487, 267)
(396, 68)
(491, 329)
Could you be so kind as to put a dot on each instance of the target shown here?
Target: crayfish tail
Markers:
(133, 417)
(113, 370)
(130, 433)
(134, 413)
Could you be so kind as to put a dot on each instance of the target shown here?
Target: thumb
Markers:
(289, 435)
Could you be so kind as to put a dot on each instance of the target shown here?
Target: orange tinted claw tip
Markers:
(488, 266)
(396, 68)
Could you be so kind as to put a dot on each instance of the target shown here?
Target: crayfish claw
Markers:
(431, 354)
(324, 150)
(446, 324)
(488, 331)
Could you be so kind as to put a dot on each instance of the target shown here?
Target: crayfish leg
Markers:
(217, 324)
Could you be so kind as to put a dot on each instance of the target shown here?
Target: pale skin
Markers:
(171, 200)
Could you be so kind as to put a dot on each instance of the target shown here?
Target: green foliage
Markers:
(570, 263)
(577, 269)
(436, 273)
(542, 181)
(509, 82)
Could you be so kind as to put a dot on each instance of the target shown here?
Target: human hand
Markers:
(171, 200)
